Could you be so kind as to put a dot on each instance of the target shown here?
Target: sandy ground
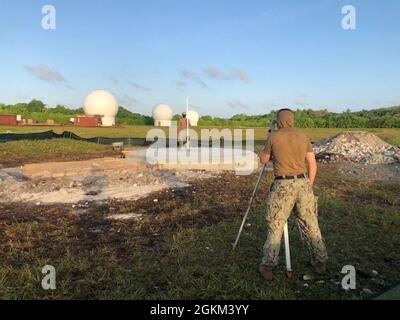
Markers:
(165, 239)
(124, 184)
(365, 172)
(136, 184)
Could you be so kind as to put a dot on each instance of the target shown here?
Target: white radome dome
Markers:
(193, 117)
(162, 112)
(101, 103)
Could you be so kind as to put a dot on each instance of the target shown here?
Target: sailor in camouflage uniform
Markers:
(293, 156)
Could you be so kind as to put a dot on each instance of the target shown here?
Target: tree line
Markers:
(376, 118)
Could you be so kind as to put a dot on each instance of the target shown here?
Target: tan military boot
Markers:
(266, 272)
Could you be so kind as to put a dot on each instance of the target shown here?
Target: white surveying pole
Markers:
(287, 251)
(187, 124)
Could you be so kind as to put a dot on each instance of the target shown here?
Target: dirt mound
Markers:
(359, 147)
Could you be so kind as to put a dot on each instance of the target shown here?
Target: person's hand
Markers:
(312, 167)
(264, 158)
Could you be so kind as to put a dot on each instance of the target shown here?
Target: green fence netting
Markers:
(128, 141)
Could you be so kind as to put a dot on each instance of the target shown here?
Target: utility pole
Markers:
(187, 125)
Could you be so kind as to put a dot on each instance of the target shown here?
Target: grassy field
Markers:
(390, 135)
(16, 153)
(182, 247)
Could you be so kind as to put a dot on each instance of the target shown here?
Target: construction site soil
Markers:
(359, 209)
(221, 196)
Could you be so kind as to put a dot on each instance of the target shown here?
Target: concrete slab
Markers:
(70, 168)
(217, 159)
(212, 159)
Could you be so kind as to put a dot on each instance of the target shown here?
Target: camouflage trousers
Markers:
(285, 196)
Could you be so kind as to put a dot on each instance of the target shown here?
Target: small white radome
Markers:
(162, 115)
(101, 103)
(162, 112)
(193, 117)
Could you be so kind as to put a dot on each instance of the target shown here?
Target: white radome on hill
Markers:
(162, 115)
(102, 103)
(193, 117)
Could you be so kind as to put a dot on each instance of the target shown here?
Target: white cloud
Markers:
(114, 80)
(190, 75)
(43, 72)
(139, 87)
(214, 73)
(227, 75)
(237, 104)
(181, 84)
(127, 101)
(302, 100)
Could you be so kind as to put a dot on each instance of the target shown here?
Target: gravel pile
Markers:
(358, 147)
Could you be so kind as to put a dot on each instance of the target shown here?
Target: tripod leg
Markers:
(249, 207)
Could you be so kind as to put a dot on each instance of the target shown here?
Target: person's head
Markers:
(184, 115)
(285, 118)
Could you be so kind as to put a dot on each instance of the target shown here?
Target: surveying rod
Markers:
(187, 124)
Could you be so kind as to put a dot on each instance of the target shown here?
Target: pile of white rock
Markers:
(355, 146)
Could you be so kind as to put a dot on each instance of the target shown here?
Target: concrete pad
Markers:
(215, 159)
(212, 159)
(70, 168)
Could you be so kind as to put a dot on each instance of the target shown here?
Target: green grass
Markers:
(390, 135)
(360, 221)
(171, 255)
(64, 150)
(19, 152)
(392, 294)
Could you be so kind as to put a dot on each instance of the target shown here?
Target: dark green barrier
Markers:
(26, 136)
(138, 142)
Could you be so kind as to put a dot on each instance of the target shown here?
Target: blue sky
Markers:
(228, 56)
